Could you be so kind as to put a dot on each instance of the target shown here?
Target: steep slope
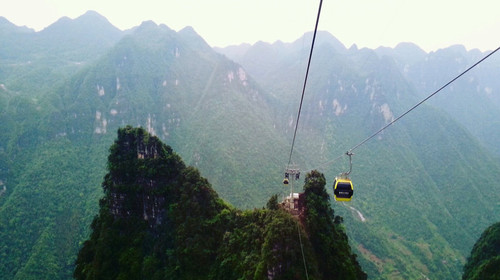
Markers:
(416, 183)
(473, 101)
(45, 187)
(484, 260)
(53, 148)
(179, 89)
(161, 220)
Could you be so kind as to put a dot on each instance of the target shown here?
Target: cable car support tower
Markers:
(292, 174)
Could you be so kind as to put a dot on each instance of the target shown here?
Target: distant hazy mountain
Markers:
(263, 59)
(7, 27)
(473, 100)
(76, 39)
(34, 62)
(88, 34)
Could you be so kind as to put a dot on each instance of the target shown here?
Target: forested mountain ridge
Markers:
(424, 189)
(484, 260)
(159, 219)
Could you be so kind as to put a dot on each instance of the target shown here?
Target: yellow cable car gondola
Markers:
(342, 186)
(285, 181)
(342, 189)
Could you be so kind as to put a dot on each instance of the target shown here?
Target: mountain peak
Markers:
(8, 27)
(93, 18)
(90, 30)
(90, 21)
(148, 24)
(92, 13)
(188, 30)
(140, 149)
(409, 47)
(150, 27)
(322, 37)
(190, 34)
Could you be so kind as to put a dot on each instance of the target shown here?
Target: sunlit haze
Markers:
(430, 24)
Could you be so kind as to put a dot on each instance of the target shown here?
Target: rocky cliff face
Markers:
(141, 190)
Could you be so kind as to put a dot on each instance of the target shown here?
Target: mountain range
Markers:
(425, 188)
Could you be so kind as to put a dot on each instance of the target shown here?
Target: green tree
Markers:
(329, 241)
(272, 204)
(484, 260)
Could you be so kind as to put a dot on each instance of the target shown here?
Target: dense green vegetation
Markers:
(424, 189)
(484, 260)
(193, 234)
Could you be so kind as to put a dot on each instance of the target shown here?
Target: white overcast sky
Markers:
(431, 24)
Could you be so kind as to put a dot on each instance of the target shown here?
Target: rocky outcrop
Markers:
(161, 220)
(137, 188)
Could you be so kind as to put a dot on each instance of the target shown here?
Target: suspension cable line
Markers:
(408, 111)
(422, 101)
(297, 125)
(305, 82)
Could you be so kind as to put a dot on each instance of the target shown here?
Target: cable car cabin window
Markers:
(343, 190)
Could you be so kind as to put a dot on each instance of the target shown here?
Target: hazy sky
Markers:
(431, 24)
